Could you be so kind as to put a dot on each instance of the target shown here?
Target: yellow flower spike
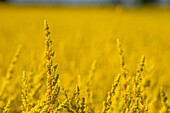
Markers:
(24, 95)
(6, 109)
(165, 106)
(138, 79)
(124, 70)
(108, 103)
(89, 99)
(10, 70)
(49, 54)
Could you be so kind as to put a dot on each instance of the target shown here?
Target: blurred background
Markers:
(90, 2)
(82, 33)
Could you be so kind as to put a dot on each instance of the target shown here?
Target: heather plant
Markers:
(107, 104)
(9, 73)
(7, 107)
(6, 93)
(165, 106)
(128, 93)
(24, 95)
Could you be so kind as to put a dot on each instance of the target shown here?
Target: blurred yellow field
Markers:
(81, 37)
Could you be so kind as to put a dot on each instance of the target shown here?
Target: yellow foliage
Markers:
(81, 37)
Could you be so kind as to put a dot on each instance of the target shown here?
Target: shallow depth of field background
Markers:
(82, 35)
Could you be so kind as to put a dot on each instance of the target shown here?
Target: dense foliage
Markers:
(46, 87)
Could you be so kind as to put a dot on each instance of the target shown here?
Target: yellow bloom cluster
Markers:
(78, 45)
